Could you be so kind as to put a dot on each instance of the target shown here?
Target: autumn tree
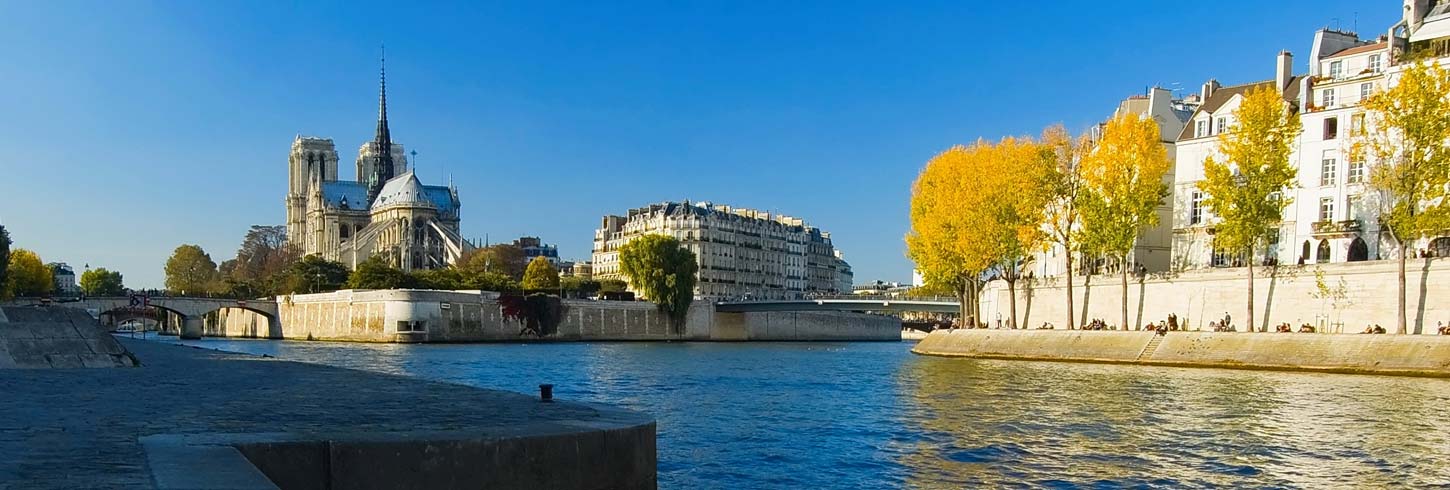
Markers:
(190, 270)
(1122, 177)
(663, 271)
(1247, 187)
(1405, 134)
(28, 275)
(262, 263)
(541, 274)
(504, 258)
(976, 209)
(102, 282)
(1063, 213)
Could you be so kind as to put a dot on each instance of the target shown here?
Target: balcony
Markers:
(1336, 228)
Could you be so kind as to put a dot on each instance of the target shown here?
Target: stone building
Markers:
(387, 211)
(741, 252)
(63, 278)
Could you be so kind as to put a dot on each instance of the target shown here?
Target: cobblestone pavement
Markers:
(78, 428)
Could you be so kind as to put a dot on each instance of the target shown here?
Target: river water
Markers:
(873, 415)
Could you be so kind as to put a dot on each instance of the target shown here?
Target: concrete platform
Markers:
(194, 418)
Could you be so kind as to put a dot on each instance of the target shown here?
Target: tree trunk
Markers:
(1087, 291)
(1124, 266)
(1249, 324)
(1012, 303)
(962, 305)
(1069, 291)
(1400, 310)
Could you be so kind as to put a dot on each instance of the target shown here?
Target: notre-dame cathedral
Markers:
(385, 212)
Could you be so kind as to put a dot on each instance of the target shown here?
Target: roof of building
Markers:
(345, 194)
(1366, 48)
(403, 190)
(1222, 95)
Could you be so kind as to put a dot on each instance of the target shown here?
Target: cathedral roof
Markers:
(403, 190)
(344, 194)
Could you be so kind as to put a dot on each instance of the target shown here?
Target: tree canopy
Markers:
(28, 275)
(314, 274)
(102, 282)
(541, 274)
(191, 271)
(663, 271)
(377, 273)
(503, 258)
(4, 258)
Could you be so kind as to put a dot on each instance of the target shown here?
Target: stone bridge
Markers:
(188, 310)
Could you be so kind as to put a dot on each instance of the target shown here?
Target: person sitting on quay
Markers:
(1284, 328)
(1306, 328)
(1442, 328)
(1378, 329)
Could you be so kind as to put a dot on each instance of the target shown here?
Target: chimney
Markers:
(1285, 71)
(1208, 88)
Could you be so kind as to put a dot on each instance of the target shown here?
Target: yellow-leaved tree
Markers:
(978, 209)
(1405, 134)
(1063, 213)
(1246, 187)
(1123, 185)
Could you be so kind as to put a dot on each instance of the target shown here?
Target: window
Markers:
(1326, 98)
(1195, 211)
(1223, 125)
(1356, 124)
(1201, 129)
(1336, 68)
(1326, 209)
(1349, 209)
(1356, 171)
(1374, 63)
(1323, 252)
(1328, 168)
(1331, 128)
(1365, 89)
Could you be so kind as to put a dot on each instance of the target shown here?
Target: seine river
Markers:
(872, 415)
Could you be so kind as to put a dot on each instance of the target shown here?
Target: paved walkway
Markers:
(78, 428)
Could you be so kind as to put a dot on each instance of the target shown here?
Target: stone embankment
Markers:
(49, 337)
(1411, 355)
(463, 316)
(194, 418)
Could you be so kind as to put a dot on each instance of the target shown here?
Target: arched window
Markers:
(1358, 251)
(1304, 254)
(344, 231)
(1323, 253)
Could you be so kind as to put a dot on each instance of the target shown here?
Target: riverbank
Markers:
(196, 418)
(1405, 355)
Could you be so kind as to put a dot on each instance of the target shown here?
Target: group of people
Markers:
(1225, 325)
(1373, 329)
(1287, 328)
(1097, 324)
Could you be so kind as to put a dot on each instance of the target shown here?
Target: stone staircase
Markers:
(1149, 349)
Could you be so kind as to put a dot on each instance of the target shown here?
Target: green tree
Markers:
(580, 285)
(613, 286)
(4, 259)
(191, 271)
(1123, 186)
(445, 279)
(102, 282)
(490, 281)
(28, 276)
(377, 273)
(503, 258)
(541, 274)
(1405, 134)
(1247, 187)
(314, 274)
(663, 271)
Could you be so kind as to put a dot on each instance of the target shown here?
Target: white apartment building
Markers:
(741, 252)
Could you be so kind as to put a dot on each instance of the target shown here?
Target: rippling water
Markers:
(872, 415)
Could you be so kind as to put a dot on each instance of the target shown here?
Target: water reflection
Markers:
(871, 415)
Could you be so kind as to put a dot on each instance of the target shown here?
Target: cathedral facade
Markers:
(387, 211)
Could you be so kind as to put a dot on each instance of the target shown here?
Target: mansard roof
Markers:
(1222, 95)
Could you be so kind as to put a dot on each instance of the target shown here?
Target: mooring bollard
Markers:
(546, 392)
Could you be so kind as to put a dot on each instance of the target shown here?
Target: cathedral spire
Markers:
(383, 136)
(383, 168)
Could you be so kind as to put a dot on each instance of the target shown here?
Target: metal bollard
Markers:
(546, 392)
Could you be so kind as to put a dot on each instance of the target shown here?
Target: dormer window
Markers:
(1200, 128)
(1222, 124)
(1336, 68)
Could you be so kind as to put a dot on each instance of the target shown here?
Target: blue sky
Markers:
(129, 128)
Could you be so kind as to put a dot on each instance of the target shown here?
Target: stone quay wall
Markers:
(1413, 355)
(476, 316)
(1355, 294)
